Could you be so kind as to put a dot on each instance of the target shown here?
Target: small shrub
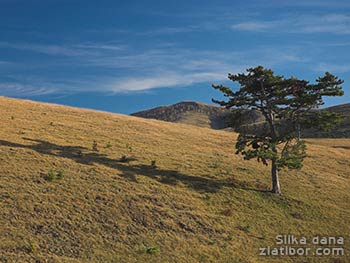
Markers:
(129, 148)
(30, 247)
(12, 118)
(206, 197)
(228, 212)
(297, 215)
(60, 174)
(94, 146)
(108, 145)
(50, 176)
(51, 123)
(123, 159)
(230, 237)
(212, 242)
(150, 250)
(246, 228)
(214, 165)
(153, 164)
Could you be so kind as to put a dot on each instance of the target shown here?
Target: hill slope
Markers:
(208, 116)
(201, 203)
(189, 112)
(341, 131)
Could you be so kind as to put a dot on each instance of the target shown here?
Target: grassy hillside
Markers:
(214, 117)
(179, 194)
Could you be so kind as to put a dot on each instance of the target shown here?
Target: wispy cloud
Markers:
(71, 50)
(334, 68)
(326, 23)
(164, 80)
(45, 49)
(6, 63)
(101, 46)
(170, 30)
(19, 89)
(254, 26)
(154, 68)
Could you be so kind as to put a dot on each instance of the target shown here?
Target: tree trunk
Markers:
(276, 189)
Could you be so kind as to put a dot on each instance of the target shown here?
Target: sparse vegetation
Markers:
(246, 228)
(52, 175)
(154, 164)
(30, 247)
(128, 147)
(60, 174)
(102, 209)
(123, 159)
(152, 250)
(95, 146)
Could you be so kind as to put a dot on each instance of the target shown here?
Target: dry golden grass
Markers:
(201, 203)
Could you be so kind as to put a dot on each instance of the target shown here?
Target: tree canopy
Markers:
(288, 106)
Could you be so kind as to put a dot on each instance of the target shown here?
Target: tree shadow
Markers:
(83, 155)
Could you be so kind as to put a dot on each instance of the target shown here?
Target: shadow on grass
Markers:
(129, 171)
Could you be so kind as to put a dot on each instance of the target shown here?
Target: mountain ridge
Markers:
(210, 116)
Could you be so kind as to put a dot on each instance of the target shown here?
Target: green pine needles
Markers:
(288, 106)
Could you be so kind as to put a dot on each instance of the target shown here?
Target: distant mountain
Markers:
(198, 114)
(204, 115)
(189, 112)
(341, 131)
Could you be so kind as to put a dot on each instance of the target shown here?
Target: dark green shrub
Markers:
(50, 176)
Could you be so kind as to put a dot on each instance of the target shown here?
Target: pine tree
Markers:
(288, 106)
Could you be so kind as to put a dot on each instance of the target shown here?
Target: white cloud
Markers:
(129, 71)
(254, 26)
(101, 46)
(70, 50)
(326, 23)
(169, 30)
(164, 80)
(45, 49)
(19, 89)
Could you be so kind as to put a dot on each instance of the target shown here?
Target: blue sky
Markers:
(125, 56)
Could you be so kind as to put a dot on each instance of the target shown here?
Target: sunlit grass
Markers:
(150, 191)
